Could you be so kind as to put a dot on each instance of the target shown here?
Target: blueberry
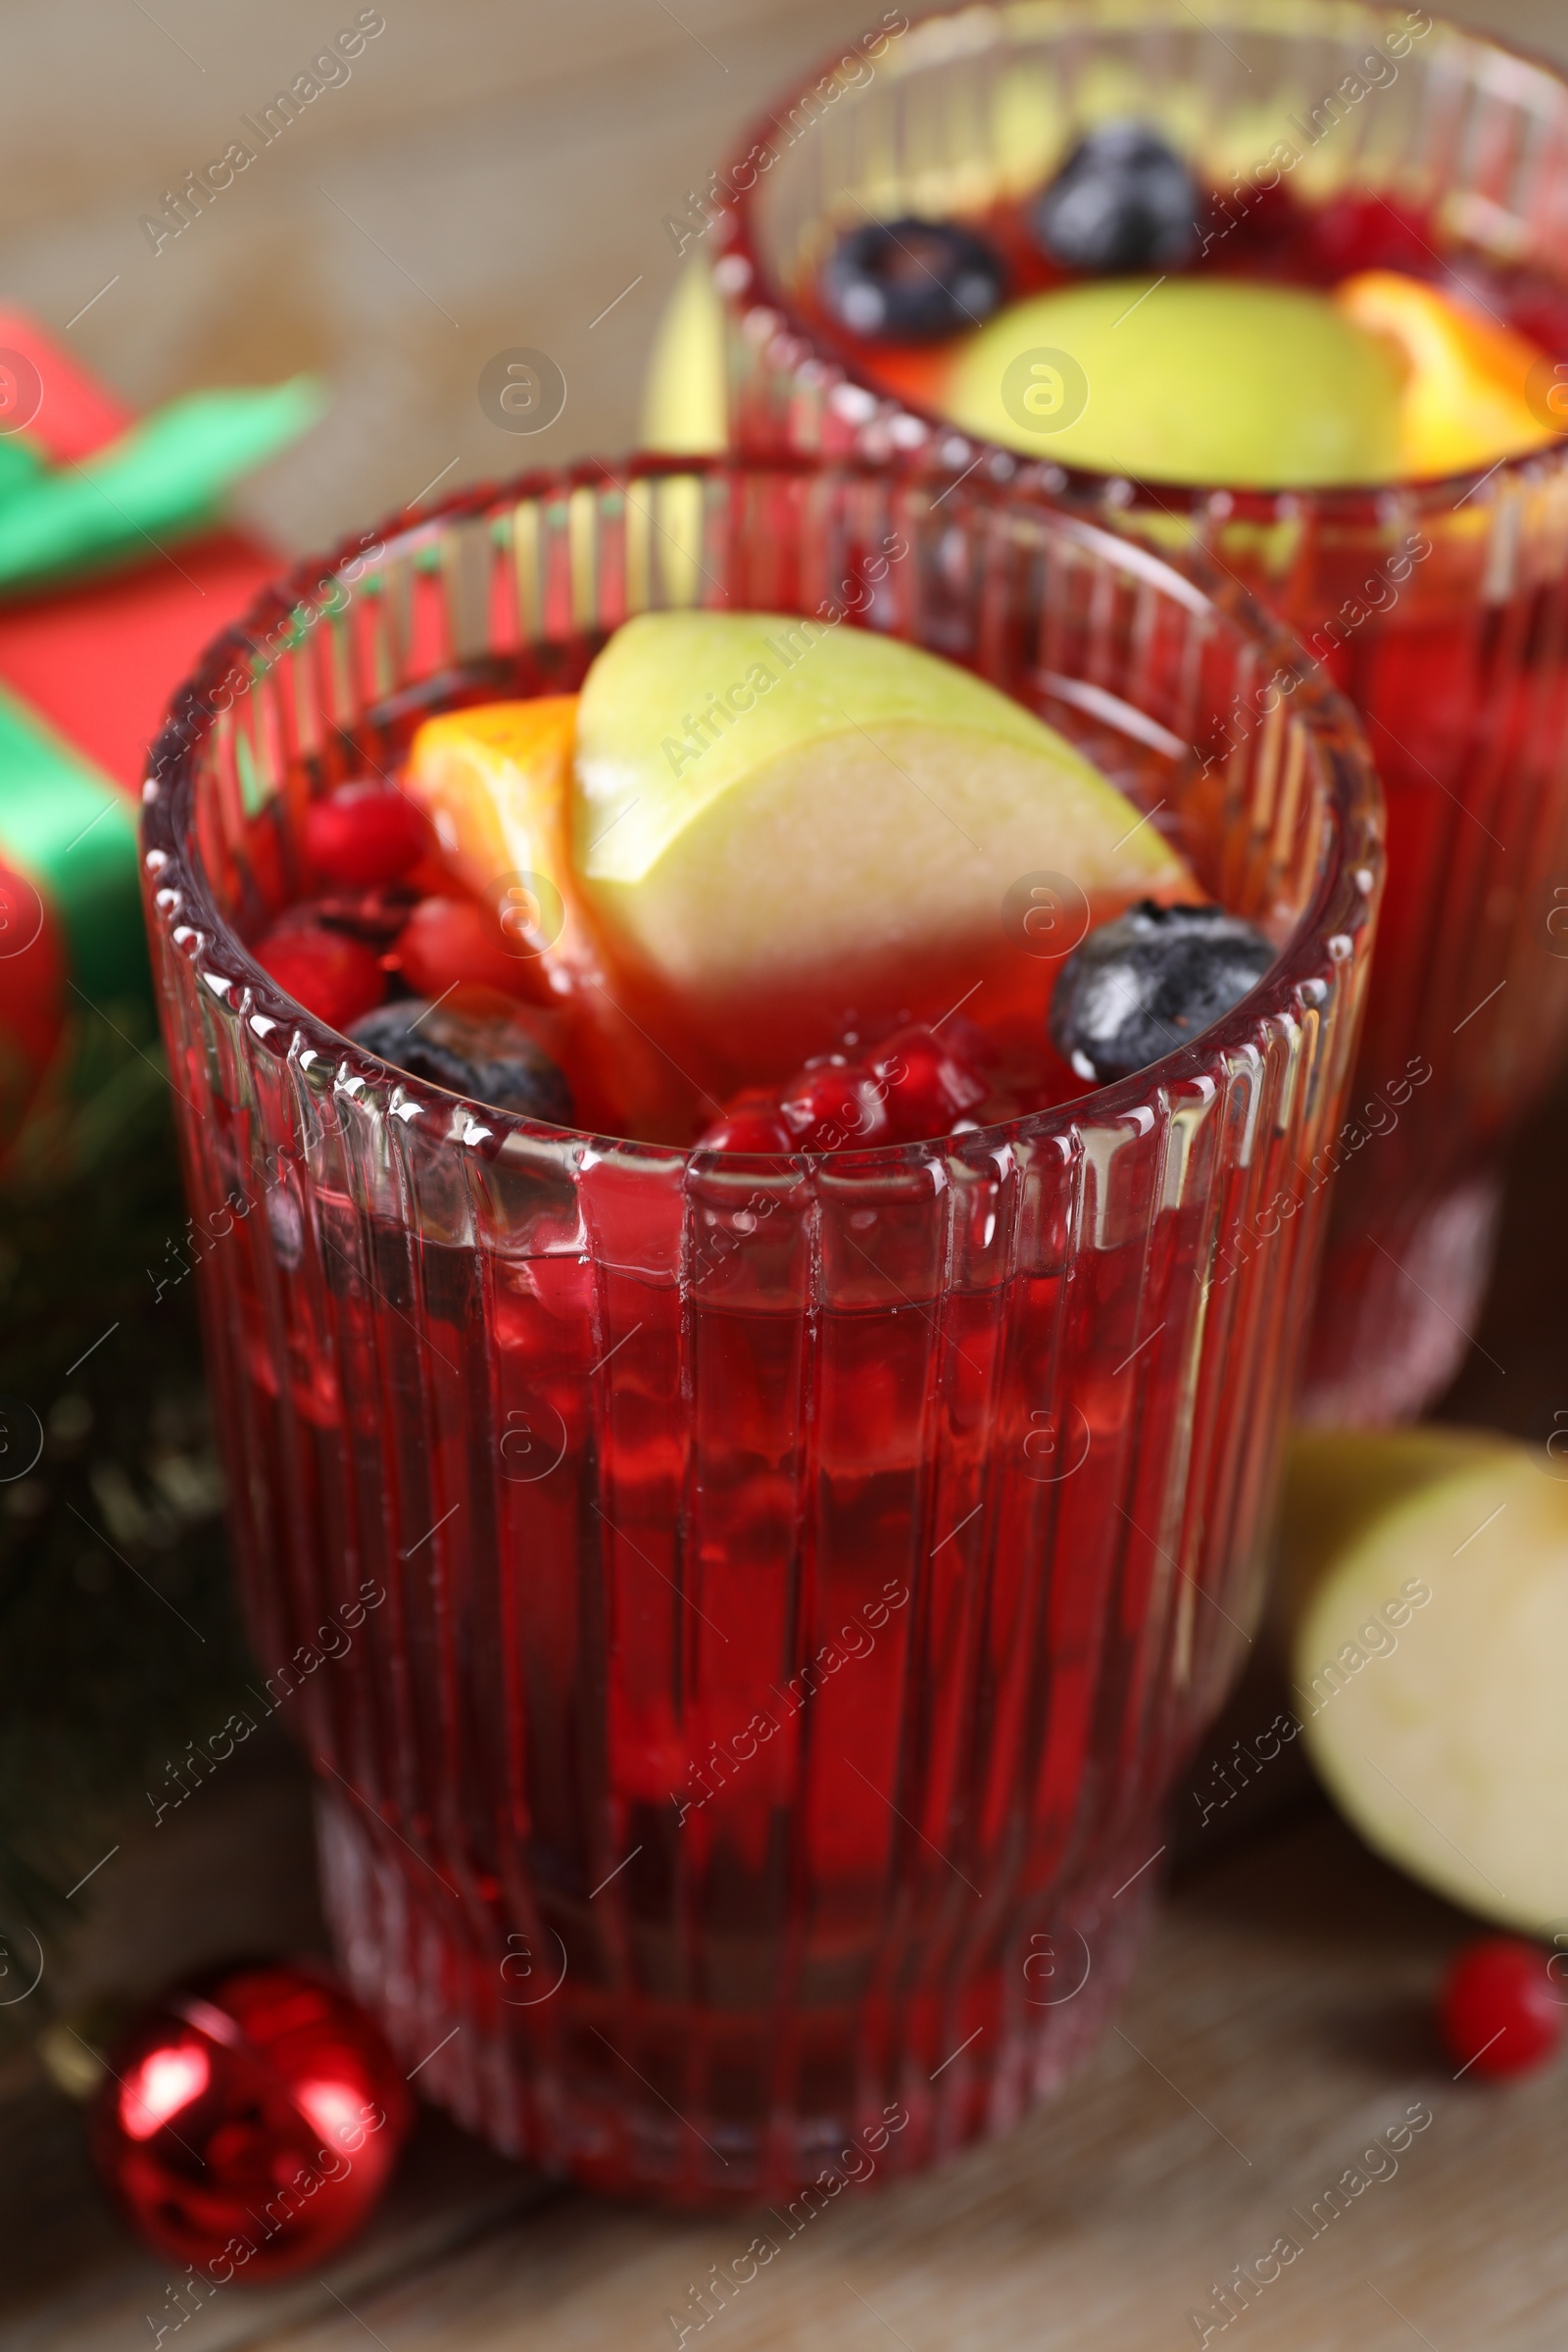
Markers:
(488, 1056)
(1149, 982)
(911, 281)
(526, 1081)
(1123, 199)
(389, 1031)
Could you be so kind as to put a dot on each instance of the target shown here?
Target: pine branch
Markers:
(118, 1636)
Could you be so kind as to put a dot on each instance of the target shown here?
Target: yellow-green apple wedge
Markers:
(1187, 379)
(685, 404)
(775, 819)
(1424, 1575)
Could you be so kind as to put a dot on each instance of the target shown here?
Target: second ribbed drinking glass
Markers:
(1435, 606)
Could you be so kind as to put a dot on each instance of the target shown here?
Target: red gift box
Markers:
(90, 667)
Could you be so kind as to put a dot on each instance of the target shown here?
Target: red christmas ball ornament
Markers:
(250, 2122)
(1500, 2010)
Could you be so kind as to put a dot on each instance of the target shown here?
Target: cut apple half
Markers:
(1186, 379)
(1425, 1572)
(779, 814)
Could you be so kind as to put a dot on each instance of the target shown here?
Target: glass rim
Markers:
(1350, 502)
(180, 901)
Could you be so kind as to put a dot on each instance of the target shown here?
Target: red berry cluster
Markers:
(1355, 232)
(914, 1087)
(336, 952)
(1262, 231)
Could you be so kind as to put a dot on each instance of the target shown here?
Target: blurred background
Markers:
(490, 174)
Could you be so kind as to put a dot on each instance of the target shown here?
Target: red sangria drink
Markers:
(735, 1028)
(1291, 289)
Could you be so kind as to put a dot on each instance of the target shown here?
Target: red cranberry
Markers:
(364, 833)
(446, 941)
(753, 1122)
(333, 976)
(1499, 2011)
(930, 1083)
(835, 1105)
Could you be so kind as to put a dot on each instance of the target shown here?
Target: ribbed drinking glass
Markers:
(746, 1615)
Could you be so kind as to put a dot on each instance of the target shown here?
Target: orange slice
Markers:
(493, 781)
(1467, 394)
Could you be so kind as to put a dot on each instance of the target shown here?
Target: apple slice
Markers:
(685, 396)
(1466, 396)
(1186, 379)
(775, 819)
(1425, 1572)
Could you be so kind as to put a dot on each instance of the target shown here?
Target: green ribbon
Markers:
(63, 823)
(165, 477)
(72, 832)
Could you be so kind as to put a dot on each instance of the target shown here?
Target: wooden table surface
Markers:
(1275, 2032)
(495, 175)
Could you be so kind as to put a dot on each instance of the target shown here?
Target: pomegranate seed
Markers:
(1499, 2011)
(1248, 232)
(1364, 232)
(753, 1122)
(333, 976)
(835, 1105)
(929, 1084)
(364, 833)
